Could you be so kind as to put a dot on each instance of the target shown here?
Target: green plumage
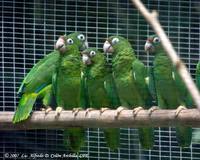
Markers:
(171, 91)
(100, 90)
(67, 85)
(129, 76)
(37, 83)
(196, 136)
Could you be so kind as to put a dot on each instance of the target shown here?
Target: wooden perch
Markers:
(40, 120)
(152, 19)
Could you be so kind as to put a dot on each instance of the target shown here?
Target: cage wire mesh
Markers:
(29, 30)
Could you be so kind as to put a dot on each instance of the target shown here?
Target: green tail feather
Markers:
(146, 137)
(184, 136)
(25, 107)
(112, 138)
(111, 90)
(74, 138)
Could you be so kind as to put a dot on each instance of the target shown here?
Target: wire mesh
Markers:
(29, 30)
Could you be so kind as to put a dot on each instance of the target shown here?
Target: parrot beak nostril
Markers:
(86, 60)
(148, 47)
(60, 43)
(107, 47)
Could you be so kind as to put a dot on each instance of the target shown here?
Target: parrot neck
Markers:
(163, 66)
(122, 61)
(98, 69)
(70, 65)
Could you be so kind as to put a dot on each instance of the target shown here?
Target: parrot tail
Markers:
(25, 107)
(112, 138)
(74, 138)
(184, 136)
(146, 137)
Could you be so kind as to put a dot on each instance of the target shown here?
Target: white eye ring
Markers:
(81, 37)
(156, 40)
(70, 41)
(92, 53)
(115, 40)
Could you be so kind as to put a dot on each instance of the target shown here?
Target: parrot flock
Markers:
(78, 77)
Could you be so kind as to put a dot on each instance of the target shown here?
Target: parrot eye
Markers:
(81, 37)
(115, 40)
(156, 40)
(92, 53)
(70, 41)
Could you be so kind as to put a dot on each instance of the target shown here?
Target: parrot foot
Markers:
(76, 110)
(136, 110)
(119, 110)
(48, 109)
(179, 109)
(103, 109)
(58, 110)
(152, 109)
(88, 110)
(42, 109)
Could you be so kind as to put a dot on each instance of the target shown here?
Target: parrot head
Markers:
(91, 56)
(152, 44)
(65, 44)
(114, 44)
(60, 44)
(72, 41)
(79, 39)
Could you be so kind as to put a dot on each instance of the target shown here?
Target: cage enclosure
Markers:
(29, 30)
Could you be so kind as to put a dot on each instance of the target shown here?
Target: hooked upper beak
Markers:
(60, 44)
(84, 46)
(148, 47)
(86, 59)
(107, 47)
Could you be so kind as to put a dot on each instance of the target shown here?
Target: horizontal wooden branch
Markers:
(95, 119)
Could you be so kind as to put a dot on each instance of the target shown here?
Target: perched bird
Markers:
(97, 76)
(170, 89)
(37, 83)
(196, 135)
(129, 75)
(67, 85)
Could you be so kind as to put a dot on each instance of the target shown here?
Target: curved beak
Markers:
(60, 45)
(148, 47)
(107, 47)
(86, 59)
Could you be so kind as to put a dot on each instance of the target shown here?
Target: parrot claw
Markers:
(179, 109)
(48, 109)
(88, 110)
(58, 110)
(136, 110)
(152, 109)
(119, 110)
(103, 109)
(76, 110)
(42, 109)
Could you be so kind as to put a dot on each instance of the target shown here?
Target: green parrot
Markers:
(37, 83)
(196, 135)
(68, 87)
(130, 77)
(170, 89)
(100, 91)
